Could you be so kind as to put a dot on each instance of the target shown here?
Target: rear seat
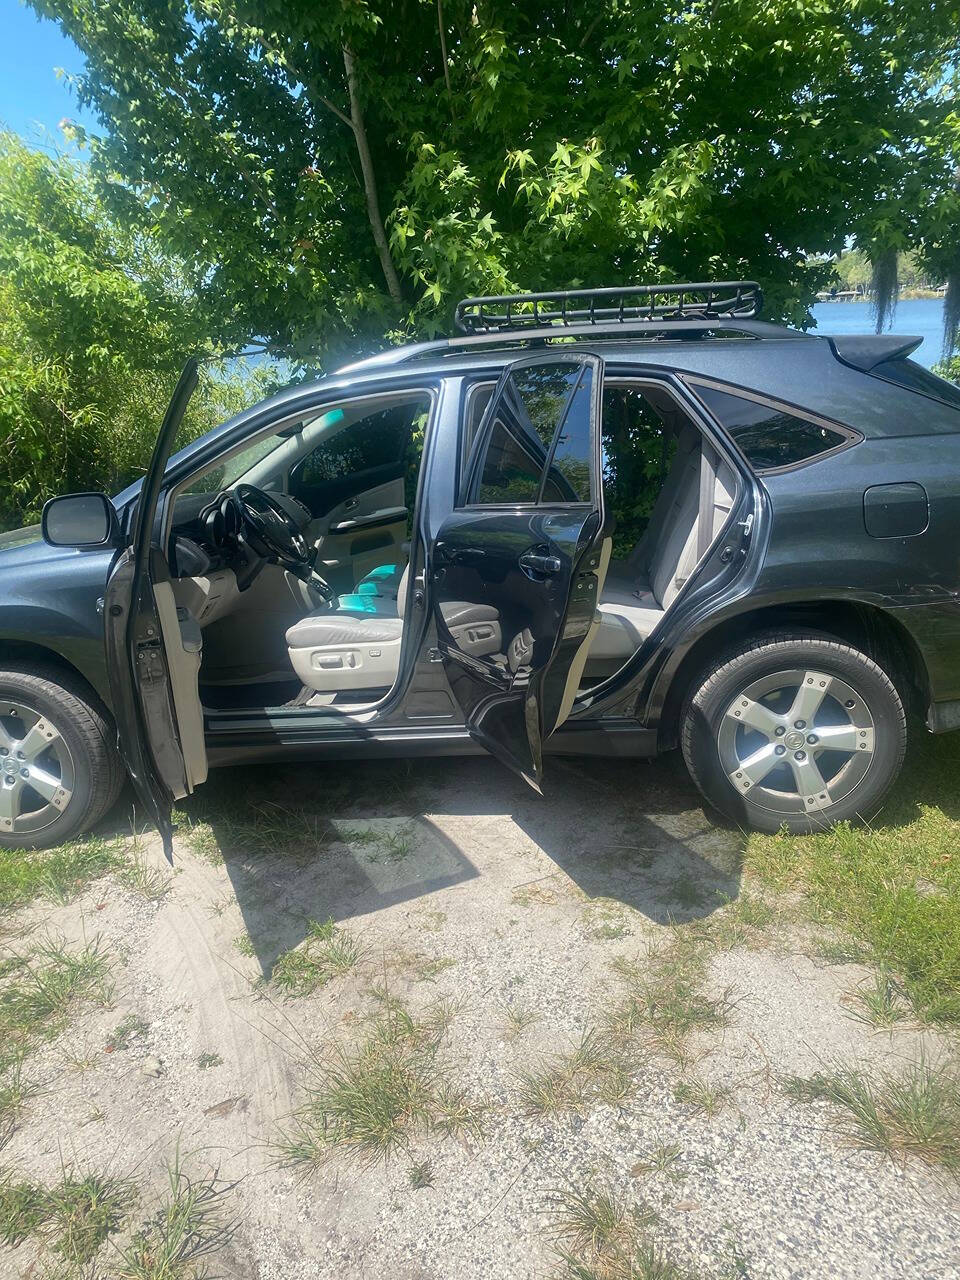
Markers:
(638, 591)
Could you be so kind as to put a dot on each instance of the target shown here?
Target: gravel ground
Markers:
(462, 885)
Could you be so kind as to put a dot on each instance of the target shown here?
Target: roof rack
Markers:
(708, 300)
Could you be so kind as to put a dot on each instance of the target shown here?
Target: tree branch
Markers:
(370, 180)
(443, 55)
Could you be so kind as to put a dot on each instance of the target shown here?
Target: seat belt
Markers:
(708, 498)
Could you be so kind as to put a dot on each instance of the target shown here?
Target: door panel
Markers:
(153, 654)
(515, 584)
(347, 556)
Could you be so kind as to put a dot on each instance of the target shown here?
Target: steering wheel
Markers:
(274, 534)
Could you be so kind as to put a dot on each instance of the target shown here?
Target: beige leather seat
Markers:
(639, 590)
(349, 648)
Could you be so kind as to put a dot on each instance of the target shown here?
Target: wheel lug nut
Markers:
(799, 724)
(780, 751)
(24, 773)
(780, 731)
(812, 738)
(799, 755)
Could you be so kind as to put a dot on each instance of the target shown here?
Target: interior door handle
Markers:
(537, 563)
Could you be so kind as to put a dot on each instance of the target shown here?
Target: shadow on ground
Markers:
(344, 839)
(347, 838)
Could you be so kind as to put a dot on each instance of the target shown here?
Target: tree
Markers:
(95, 322)
(331, 171)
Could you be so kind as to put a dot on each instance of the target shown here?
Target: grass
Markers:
(661, 1160)
(73, 1218)
(879, 1001)
(705, 1099)
(140, 877)
(37, 999)
(517, 1017)
(742, 922)
(597, 1235)
(894, 888)
(370, 1099)
(187, 1229)
(596, 1071)
(206, 1060)
(662, 998)
(911, 1115)
(224, 824)
(23, 1209)
(326, 953)
(83, 1210)
(128, 1029)
(57, 875)
(420, 1176)
(15, 1090)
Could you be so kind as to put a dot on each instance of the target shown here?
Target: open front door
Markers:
(153, 655)
(517, 568)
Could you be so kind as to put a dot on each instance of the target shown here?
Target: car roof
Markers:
(824, 375)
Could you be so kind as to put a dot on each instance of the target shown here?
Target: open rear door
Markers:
(153, 655)
(517, 568)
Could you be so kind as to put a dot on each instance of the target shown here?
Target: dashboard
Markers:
(207, 535)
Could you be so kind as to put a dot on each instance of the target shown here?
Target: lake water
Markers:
(922, 317)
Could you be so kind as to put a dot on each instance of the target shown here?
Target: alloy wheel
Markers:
(36, 770)
(796, 741)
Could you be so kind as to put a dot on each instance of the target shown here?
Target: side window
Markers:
(767, 436)
(377, 440)
(360, 447)
(478, 397)
(543, 413)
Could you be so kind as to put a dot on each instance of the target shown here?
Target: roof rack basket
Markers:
(710, 300)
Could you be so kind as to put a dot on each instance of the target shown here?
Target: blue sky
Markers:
(32, 100)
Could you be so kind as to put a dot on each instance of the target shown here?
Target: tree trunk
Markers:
(370, 180)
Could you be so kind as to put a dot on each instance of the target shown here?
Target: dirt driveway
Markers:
(421, 1023)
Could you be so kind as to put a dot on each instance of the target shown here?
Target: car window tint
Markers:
(568, 479)
(477, 400)
(377, 440)
(769, 437)
(907, 373)
(528, 411)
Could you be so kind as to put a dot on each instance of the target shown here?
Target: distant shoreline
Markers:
(905, 295)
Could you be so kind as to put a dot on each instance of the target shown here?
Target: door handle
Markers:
(537, 563)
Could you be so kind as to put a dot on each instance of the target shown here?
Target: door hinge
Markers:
(434, 655)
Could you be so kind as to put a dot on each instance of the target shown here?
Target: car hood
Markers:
(24, 549)
(19, 537)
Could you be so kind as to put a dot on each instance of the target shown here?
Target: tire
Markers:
(794, 730)
(70, 757)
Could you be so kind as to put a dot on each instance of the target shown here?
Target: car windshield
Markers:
(229, 471)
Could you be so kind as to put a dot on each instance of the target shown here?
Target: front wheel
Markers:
(59, 769)
(794, 731)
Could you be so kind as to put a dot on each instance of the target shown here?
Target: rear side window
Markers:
(770, 437)
(907, 373)
(542, 416)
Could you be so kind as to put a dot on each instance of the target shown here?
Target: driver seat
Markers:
(347, 647)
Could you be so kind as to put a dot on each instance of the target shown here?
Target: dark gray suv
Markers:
(417, 555)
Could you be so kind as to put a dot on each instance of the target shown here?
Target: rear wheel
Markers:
(794, 730)
(59, 769)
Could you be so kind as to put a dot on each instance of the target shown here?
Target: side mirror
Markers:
(80, 520)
